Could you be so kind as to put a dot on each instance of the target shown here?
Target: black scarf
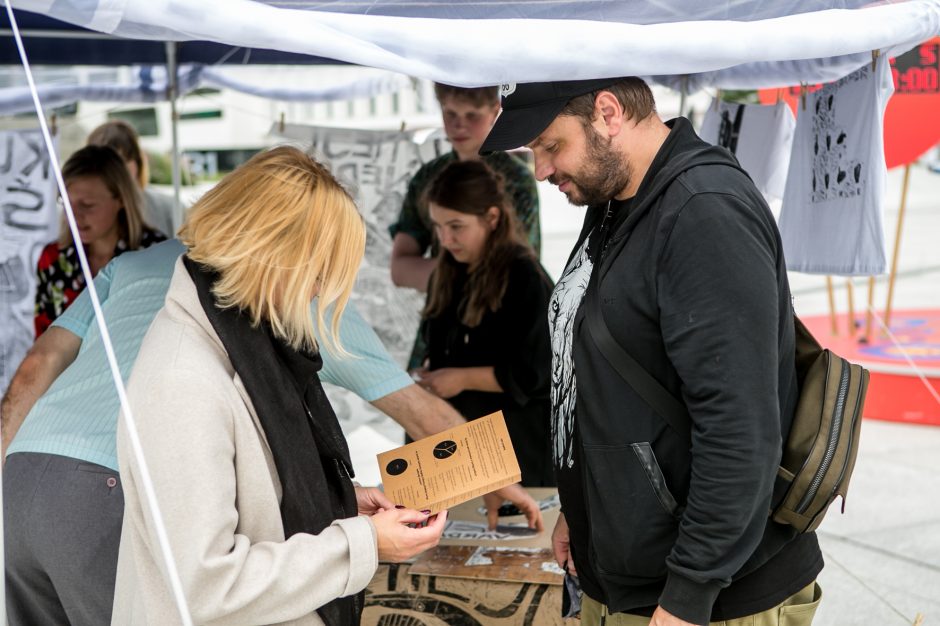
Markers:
(309, 448)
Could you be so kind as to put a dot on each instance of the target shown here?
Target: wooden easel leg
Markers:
(897, 244)
(851, 295)
(868, 312)
(832, 306)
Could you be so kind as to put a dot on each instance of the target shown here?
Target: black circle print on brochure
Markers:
(396, 467)
(445, 449)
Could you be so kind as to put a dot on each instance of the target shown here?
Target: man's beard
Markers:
(605, 172)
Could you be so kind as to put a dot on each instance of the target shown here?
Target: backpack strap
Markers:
(653, 393)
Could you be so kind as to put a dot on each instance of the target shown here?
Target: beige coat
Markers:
(218, 492)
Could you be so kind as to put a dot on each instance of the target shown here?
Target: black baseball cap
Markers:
(529, 108)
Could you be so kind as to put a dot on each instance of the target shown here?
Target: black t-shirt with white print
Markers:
(563, 309)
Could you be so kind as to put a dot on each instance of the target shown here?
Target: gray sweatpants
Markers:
(62, 528)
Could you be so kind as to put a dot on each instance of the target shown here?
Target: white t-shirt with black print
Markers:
(831, 221)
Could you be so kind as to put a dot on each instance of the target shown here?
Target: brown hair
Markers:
(477, 96)
(277, 229)
(633, 94)
(122, 138)
(471, 187)
(105, 164)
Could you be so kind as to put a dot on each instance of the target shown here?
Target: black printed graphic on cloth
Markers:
(835, 173)
(729, 130)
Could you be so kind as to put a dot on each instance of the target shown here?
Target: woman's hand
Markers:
(446, 382)
(397, 541)
(370, 500)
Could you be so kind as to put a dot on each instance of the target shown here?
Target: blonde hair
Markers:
(276, 229)
(122, 138)
(105, 164)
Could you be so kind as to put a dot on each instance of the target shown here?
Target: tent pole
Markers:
(897, 244)
(173, 88)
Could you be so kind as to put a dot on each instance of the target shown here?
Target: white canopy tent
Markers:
(733, 44)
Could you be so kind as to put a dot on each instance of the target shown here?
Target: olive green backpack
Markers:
(820, 449)
(819, 453)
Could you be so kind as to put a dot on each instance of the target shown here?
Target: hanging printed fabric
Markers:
(831, 221)
(375, 167)
(29, 222)
(760, 136)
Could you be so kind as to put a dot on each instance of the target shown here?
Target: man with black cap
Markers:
(677, 276)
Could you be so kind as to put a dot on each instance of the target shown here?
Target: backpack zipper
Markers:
(834, 429)
(855, 418)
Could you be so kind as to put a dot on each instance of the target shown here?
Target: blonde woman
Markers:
(249, 464)
(107, 210)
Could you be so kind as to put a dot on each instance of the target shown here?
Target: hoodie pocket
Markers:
(633, 515)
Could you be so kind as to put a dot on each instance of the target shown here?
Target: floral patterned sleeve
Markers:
(60, 280)
(45, 309)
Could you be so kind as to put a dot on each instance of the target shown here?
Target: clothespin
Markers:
(717, 98)
(874, 58)
(803, 95)
(53, 128)
(280, 124)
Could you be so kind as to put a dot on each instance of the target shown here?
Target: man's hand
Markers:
(408, 267)
(662, 617)
(420, 413)
(518, 496)
(370, 500)
(561, 545)
(446, 382)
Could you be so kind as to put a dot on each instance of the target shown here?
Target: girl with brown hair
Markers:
(486, 317)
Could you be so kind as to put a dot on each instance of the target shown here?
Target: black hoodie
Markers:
(694, 286)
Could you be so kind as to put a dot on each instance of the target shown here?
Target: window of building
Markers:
(201, 115)
(144, 121)
(204, 91)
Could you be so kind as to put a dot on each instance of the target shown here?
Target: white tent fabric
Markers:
(142, 89)
(736, 44)
(367, 83)
(150, 85)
